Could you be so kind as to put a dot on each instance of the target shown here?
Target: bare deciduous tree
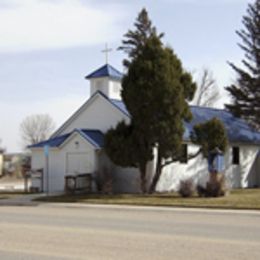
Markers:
(36, 128)
(207, 93)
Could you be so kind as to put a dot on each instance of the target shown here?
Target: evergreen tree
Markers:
(125, 148)
(134, 40)
(154, 91)
(246, 92)
(210, 135)
(129, 145)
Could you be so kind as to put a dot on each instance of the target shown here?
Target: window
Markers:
(184, 153)
(235, 155)
(116, 87)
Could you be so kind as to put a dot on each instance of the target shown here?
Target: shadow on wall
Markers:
(250, 169)
(126, 180)
(201, 174)
(172, 175)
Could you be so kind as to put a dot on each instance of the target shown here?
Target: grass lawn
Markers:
(8, 195)
(237, 199)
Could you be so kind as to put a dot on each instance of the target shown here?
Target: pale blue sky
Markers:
(48, 46)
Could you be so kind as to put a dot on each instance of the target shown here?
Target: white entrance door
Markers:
(79, 163)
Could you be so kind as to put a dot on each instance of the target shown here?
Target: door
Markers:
(78, 163)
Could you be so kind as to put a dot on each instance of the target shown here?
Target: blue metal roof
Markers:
(95, 137)
(53, 142)
(120, 105)
(237, 129)
(105, 71)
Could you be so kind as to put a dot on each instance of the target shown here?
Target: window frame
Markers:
(235, 155)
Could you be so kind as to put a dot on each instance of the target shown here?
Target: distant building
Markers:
(12, 163)
(1, 162)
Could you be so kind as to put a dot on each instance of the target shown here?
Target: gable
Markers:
(76, 142)
(97, 113)
(92, 136)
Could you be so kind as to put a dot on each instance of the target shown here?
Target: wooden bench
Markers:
(80, 183)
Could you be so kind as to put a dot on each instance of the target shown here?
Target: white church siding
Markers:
(125, 180)
(59, 160)
(172, 174)
(248, 160)
(244, 175)
(100, 114)
(110, 87)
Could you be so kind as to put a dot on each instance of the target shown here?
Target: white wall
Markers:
(115, 89)
(248, 159)
(110, 87)
(58, 162)
(244, 175)
(99, 84)
(125, 180)
(172, 174)
(100, 114)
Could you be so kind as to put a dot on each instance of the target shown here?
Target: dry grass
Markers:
(9, 195)
(237, 199)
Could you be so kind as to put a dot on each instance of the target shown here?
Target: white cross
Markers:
(106, 51)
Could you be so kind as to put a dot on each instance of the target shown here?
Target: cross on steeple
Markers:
(106, 51)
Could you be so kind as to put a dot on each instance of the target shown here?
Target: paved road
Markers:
(63, 232)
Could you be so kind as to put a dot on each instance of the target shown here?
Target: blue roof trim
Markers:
(120, 105)
(53, 142)
(105, 71)
(95, 137)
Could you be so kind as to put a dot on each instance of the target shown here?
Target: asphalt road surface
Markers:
(68, 232)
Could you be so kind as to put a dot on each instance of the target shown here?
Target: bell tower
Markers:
(106, 80)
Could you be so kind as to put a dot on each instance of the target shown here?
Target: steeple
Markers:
(107, 80)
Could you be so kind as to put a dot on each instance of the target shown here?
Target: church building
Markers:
(77, 146)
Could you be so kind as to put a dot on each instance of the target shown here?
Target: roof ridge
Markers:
(211, 108)
(106, 70)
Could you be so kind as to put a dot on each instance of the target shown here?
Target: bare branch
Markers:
(176, 159)
(207, 93)
(36, 128)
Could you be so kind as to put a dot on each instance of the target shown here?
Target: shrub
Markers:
(104, 181)
(215, 187)
(186, 188)
(202, 191)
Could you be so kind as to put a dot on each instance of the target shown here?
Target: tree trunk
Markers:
(157, 174)
(143, 178)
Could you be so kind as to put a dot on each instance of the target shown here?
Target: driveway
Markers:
(48, 231)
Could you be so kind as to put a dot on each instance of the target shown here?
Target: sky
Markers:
(47, 47)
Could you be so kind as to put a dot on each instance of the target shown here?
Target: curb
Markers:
(150, 208)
